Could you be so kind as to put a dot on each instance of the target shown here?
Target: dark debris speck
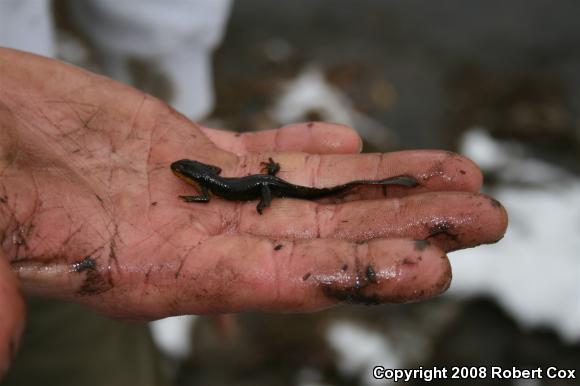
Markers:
(82, 265)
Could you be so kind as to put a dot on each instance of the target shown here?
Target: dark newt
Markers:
(263, 186)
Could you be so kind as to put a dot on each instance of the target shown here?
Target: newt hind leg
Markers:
(265, 200)
(271, 167)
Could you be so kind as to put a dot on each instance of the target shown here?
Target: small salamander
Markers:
(263, 186)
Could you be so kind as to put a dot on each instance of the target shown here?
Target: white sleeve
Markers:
(176, 36)
(27, 25)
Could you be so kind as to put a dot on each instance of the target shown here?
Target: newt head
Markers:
(194, 172)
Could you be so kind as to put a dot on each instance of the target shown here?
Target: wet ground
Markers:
(304, 349)
(426, 70)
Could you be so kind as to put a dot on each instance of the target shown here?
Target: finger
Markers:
(434, 170)
(244, 273)
(453, 220)
(310, 137)
(11, 315)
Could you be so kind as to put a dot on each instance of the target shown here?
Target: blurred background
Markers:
(497, 81)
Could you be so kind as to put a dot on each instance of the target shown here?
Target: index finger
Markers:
(308, 137)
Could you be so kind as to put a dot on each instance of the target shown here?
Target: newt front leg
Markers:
(271, 167)
(204, 197)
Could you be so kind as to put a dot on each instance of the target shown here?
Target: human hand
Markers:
(90, 212)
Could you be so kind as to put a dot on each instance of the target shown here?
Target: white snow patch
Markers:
(534, 272)
(481, 148)
(173, 335)
(510, 160)
(360, 349)
(310, 92)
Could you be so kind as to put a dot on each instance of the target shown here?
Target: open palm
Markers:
(89, 209)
